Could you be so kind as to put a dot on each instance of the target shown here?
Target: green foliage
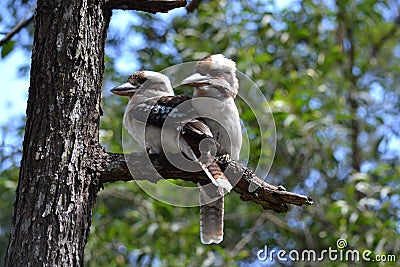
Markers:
(322, 65)
(8, 184)
(9, 160)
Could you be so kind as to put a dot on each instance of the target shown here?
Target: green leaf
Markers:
(7, 48)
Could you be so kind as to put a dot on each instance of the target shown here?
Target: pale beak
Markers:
(196, 80)
(126, 89)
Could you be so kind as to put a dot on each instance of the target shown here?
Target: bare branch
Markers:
(114, 168)
(377, 46)
(151, 6)
(249, 236)
(20, 25)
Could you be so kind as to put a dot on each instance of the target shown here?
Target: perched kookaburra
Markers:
(216, 86)
(152, 102)
(215, 78)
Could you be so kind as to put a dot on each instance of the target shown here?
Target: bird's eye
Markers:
(207, 58)
(137, 78)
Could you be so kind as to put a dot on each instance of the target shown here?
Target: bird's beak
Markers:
(126, 89)
(196, 80)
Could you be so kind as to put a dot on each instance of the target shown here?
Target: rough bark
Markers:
(57, 185)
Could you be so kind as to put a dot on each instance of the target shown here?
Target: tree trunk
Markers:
(57, 186)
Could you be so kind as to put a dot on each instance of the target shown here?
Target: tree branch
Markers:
(114, 168)
(192, 6)
(377, 47)
(20, 25)
(151, 6)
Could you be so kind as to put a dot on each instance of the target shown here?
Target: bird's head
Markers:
(144, 82)
(216, 71)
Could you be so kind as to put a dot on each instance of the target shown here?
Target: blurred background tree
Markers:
(330, 70)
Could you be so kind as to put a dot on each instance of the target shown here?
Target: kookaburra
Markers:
(215, 79)
(215, 87)
(152, 102)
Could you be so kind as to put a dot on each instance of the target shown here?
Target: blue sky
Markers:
(14, 89)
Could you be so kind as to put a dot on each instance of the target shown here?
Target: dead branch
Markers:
(114, 168)
(147, 5)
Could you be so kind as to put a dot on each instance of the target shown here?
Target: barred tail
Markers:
(219, 177)
(212, 206)
(211, 220)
